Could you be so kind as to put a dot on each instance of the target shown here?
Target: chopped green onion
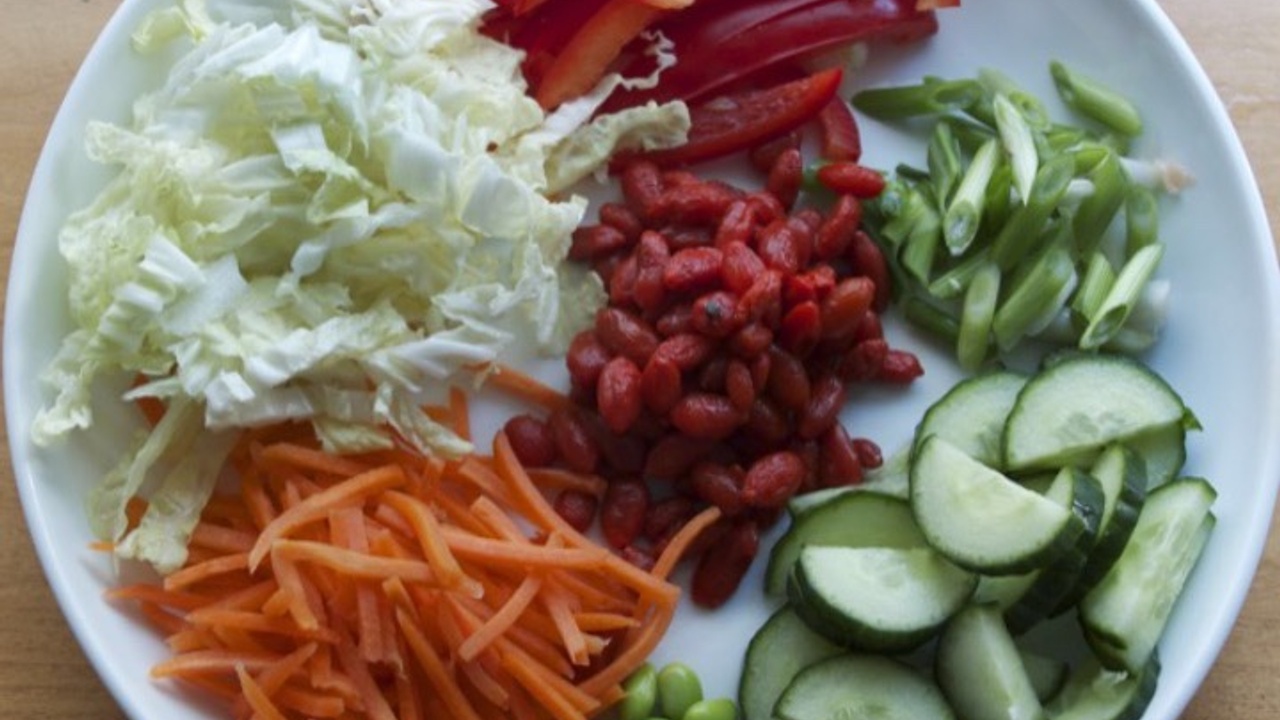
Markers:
(997, 83)
(1018, 235)
(1015, 136)
(912, 173)
(970, 135)
(1125, 292)
(928, 98)
(1036, 299)
(960, 223)
(1141, 219)
(1096, 212)
(999, 203)
(976, 315)
(931, 318)
(954, 281)
(945, 165)
(1098, 278)
(922, 243)
(913, 208)
(1096, 101)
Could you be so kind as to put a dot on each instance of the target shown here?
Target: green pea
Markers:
(678, 689)
(716, 709)
(641, 694)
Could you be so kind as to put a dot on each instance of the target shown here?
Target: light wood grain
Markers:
(43, 673)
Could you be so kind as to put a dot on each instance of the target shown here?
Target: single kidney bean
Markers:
(811, 456)
(780, 245)
(750, 341)
(716, 314)
(641, 185)
(863, 361)
(869, 455)
(625, 334)
(721, 568)
(773, 479)
(706, 416)
(826, 400)
(666, 516)
(591, 242)
(677, 319)
(737, 224)
(622, 281)
(801, 328)
(621, 218)
(693, 270)
(845, 307)
(684, 236)
(531, 440)
(687, 350)
(837, 229)
(573, 443)
(869, 328)
(585, 359)
(852, 179)
(741, 267)
(840, 463)
(900, 367)
(626, 502)
(762, 302)
(811, 219)
(639, 557)
(718, 485)
(696, 202)
(765, 207)
(577, 508)
(739, 386)
(619, 397)
(660, 384)
(652, 256)
(788, 380)
(785, 176)
(674, 455)
(868, 261)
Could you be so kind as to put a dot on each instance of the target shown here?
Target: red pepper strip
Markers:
(839, 131)
(543, 33)
(733, 123)
(589, 52)
(722, 50)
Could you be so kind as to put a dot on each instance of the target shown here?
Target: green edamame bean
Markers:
(714, 709)
(678, 689)
(641, 694)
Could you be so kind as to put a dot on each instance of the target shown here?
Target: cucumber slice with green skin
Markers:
(1095, 693)
(971, 415)
(862, 687)
(1163, 452)
(1122, 477)
(1043, 591)
(876, 598)
(859, 519)
(982, 520)
(1082, 403)
(1048, 675)
(1125, 614)
(980, 669)
(891, 479)
(779, 650)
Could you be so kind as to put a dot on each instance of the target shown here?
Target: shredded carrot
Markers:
(525, 387)
(398, 585)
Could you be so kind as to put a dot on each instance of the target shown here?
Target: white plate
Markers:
(1220, 349)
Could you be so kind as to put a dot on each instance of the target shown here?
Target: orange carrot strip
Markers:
(427, 529)
(507, 554)
(470, 614)
(310, 703)
(559, 479)
(525, 387)
(261, 509)
(486, 481)
(224, 539)
(408, 706)
(375, 704)
(532, 681)
(311, 459)
(433, 667)
(604, 621)
(575, 643)
(680, 542)
(501, 621)
(354, 564)
(460, 421)
(252, 597)
(193, 574)
(347, 530)
(211, 662)
(255, 622)
(273, 678)
(146, 592)
(317, 506)
(293, 589)
(163, 620)
(259, 701)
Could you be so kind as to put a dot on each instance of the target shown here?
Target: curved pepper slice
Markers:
(743, 120)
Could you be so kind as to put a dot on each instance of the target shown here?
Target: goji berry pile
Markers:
(716, 374)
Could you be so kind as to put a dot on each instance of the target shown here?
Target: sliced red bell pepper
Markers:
(587, 55)
(544, 32)
(732, 123)
(716, 48)
(839, 131)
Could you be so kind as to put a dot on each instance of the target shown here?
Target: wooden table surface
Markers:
(43, 673)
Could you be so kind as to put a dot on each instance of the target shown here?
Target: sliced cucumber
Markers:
(853, 520)
(891, 478)
(1095, 693)
(862, 687)
(1163, 452)
(980, 670)
(1080, 404)
(1047, 674)
(1043, 590)
(779, 650)
(878, 598)
(982, 520)
(972, 414)
(1124, 616)
(1122, 477)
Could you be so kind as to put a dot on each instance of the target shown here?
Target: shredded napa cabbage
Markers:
(329, 208)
